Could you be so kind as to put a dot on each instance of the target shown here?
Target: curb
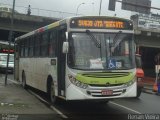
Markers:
(148, 84)
(148, 88)
(149, 91)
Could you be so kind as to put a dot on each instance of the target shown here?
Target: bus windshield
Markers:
(105, 51)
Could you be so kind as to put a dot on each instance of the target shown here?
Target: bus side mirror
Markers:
(66, 35)
(65, 47)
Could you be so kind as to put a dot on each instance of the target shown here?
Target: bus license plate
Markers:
(107, 92)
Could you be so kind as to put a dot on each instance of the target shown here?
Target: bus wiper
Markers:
(116, 41)
(93, 38)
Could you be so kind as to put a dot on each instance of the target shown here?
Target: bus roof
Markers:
(47, 27)
(60, 22)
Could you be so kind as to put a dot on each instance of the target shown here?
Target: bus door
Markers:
(61, 62)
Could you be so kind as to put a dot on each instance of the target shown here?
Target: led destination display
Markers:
(103, 23)
(100, 24)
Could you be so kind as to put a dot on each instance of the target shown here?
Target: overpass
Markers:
(22, 23)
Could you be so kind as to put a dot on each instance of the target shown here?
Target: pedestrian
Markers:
(159, 75)
(29, 10)
(157, 60)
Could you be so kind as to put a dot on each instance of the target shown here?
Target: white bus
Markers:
(79, 58)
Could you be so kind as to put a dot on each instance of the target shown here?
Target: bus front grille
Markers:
(102, 85)
(105, 74)
(98, 92)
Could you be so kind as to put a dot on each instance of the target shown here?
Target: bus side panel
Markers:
(52, 71)
(24, 68)
(43, 70)
(37, 71)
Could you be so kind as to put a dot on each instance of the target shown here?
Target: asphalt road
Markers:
(118, 109)
(147, 103)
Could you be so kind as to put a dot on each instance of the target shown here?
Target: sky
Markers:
(91, 7)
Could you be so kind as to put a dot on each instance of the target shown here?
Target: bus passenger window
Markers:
(26, 48)
(44, 45)
(52, 42)
(31, 47)
(22, 48)
(37, 46)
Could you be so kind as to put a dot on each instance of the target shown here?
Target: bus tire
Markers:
(51, 92)
(24, 80)
(139, 91)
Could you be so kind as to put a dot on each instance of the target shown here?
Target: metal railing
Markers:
(40, 12)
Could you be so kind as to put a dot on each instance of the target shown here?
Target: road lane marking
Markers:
(125, 107)
(51, 106)
(59, 112)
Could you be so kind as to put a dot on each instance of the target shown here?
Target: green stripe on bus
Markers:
(101, 80)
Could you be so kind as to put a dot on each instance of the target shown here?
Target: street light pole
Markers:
(10, 39)
(92, 7)
(100, 7)
(78, 8)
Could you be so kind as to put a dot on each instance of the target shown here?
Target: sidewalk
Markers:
(148, 83)
(17, 102)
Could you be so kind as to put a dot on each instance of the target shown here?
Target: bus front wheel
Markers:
(139, 91)
(51, 93)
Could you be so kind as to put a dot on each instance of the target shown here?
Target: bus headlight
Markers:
(130, 82)
(76, 82)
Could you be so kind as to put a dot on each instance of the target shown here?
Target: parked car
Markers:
(3, 62)
(139, 74)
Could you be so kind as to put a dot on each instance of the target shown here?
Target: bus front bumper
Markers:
(75, 93)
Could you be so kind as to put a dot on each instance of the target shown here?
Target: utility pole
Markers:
(100, 5)
(10, 39)
(78, 7)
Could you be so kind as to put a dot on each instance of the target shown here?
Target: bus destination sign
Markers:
(101, 24)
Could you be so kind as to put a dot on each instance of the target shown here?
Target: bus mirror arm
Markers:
(65, 47)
